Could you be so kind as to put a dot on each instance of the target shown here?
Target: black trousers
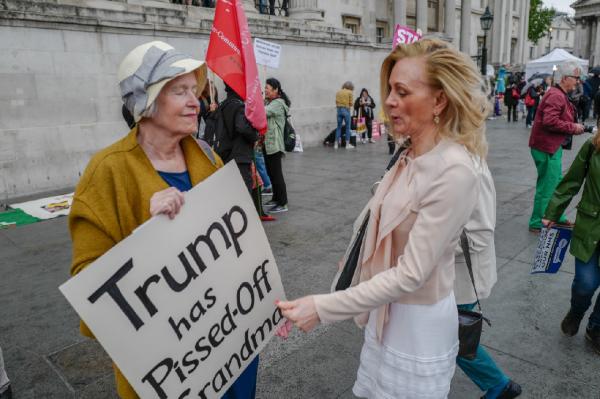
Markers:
(369, 132)
(512, 109)
(275, 171)
(284, 7)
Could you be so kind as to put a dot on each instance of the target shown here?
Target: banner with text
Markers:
(267, 53)
(183, 306)
(405, 35)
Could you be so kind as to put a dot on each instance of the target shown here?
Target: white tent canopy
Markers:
(555, 57)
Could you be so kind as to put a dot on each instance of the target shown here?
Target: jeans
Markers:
(482, 370)
(259, 160)
(530, 115)
(549, 171)
(3, 377)
(343, 114)
(585, 284)
(263, 8)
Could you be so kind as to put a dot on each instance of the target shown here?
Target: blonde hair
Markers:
(463, 119)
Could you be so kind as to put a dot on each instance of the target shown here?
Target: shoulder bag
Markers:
(470, 323)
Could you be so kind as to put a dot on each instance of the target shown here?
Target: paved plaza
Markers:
(47, 358)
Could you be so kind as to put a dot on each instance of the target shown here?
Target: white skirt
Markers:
(417, 357)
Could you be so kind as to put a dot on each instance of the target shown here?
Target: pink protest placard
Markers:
(405, 35)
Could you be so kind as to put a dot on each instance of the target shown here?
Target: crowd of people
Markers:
(412, 276)
(522, 97)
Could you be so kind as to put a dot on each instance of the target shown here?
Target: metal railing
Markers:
(272, 7)
(198, 3)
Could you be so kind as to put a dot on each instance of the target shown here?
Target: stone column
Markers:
(249, 7)
(577, 43)
(508, 31)
(585, 38)
(499, 30)
(523, 52)
(597, 44)
(450, 20)
(593, 40)
(465, 26)
(370, 20)
(399, 12)
(307, 10)
(422, 15)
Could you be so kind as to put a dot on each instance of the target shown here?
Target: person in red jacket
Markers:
(555, 121)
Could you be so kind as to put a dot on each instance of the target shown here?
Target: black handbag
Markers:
(347, 274)
(568, 143)
(470, 323)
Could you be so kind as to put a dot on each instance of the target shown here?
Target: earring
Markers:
(436, 119)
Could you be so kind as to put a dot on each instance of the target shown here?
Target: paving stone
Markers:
(47, 358)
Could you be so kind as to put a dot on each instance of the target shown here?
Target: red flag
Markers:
(231, 56)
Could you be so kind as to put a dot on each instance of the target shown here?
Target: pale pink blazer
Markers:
(417, 214)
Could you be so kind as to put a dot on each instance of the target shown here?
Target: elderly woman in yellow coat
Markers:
(144, 174)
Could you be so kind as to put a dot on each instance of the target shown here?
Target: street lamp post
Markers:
(550, 39)
(486, 23)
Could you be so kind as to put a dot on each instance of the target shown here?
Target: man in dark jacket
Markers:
(594, 83)
(597, 106)
(235, 135)
(554, 122)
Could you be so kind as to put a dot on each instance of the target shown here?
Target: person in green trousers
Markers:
(584, 172)
(555, 122)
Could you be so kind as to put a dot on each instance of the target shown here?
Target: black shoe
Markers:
(510, 391)
(570, 324)
(271, 203)
(593, 335)
(6, 394)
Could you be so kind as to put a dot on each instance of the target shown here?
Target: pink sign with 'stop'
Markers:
(405, 35)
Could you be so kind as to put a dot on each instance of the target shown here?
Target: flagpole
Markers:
(264, 73)
(211, 88)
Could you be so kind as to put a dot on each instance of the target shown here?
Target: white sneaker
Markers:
(349, 146)
(335, 145)
(371, 141)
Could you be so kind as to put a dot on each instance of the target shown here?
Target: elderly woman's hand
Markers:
(302, 312)
(168, 201)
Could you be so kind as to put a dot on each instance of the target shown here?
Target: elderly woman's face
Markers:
(177, 105)
(411, 101)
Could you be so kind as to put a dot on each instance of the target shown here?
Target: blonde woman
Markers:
(434, 94)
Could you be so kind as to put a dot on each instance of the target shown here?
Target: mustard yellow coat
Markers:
(113, 198)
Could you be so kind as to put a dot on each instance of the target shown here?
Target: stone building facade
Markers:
(587, 30)
(561, 36)
(59, 99)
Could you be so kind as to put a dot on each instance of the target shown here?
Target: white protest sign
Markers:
(267, 53)
(183, 306)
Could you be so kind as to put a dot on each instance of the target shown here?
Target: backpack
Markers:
(217, 134)
(529, 101)
(289, 135)
(515, 94)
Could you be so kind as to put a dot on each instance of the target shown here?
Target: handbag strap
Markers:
(464, 243)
